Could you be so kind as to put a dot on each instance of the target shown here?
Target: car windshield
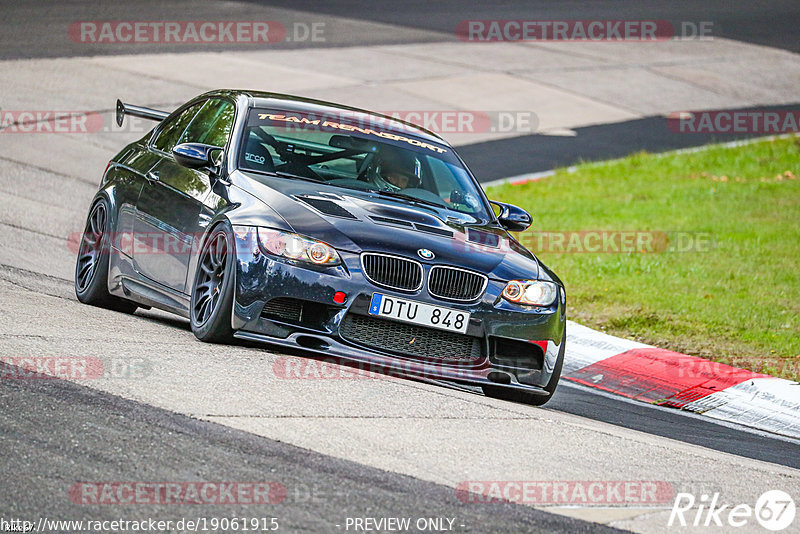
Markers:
(348, 153)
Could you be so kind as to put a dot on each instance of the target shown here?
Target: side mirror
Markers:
(513, 218)
(197, 155)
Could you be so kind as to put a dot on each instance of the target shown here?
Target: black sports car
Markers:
(302, 223)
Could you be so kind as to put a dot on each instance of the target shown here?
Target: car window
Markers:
(212, 124)
(171, 131)
(354, 155)
(448, 179)
(444, 179)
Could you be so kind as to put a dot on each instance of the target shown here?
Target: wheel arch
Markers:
(221, 219)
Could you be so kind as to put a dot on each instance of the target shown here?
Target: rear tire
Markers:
(91, 267)
(526, 397)
(211, 302)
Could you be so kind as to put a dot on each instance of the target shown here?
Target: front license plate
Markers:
(419, 313)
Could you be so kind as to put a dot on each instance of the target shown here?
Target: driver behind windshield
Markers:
(361, 160)
(396, 170)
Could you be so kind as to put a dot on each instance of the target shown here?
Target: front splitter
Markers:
(381, 363)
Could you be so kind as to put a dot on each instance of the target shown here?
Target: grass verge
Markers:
(708, 249)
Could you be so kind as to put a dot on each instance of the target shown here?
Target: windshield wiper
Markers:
(407, 197)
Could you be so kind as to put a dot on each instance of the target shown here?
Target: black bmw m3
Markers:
(296, 222)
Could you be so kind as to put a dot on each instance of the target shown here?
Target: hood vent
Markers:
(433, 230)
(327, 207)
(404, 214)
(486, 239)
(387, 220)
(330, 195)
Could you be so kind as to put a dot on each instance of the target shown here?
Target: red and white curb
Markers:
(667, 378)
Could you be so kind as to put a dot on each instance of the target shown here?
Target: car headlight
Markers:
(531, 292)
(295, 247)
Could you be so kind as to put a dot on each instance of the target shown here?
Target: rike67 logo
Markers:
(774, 510)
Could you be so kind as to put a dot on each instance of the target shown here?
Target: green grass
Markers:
(737, 303)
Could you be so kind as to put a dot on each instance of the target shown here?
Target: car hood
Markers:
(360, 221)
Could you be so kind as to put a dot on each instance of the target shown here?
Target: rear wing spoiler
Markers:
(138, 111)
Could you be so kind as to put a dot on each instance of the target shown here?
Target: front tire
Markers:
(91, 267)
(211, 302)
(526, 397)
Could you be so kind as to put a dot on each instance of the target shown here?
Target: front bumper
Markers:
(494, 322)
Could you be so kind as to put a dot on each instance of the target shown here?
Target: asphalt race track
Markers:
(538, 153)
(118, 439)
(169, 408)
(387, 23)
(414, 21)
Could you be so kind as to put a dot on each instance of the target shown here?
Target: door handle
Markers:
(152, 176)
